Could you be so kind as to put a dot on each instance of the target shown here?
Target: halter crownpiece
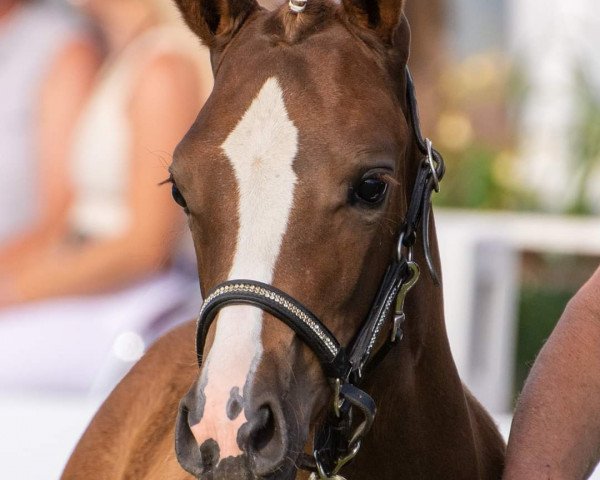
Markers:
(338, 440)
(297, 6)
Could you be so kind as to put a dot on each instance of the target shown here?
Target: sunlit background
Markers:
(510, 94)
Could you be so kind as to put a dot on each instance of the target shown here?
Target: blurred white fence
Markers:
(480, 258)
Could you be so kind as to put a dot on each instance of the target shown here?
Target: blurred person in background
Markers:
(556, 427)
(65, 302)
(48, 62)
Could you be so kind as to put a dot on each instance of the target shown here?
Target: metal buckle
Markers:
(431, 162)
(408, 284)
(322, 475)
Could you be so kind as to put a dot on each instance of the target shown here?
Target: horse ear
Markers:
(212, 20)
(381, 16)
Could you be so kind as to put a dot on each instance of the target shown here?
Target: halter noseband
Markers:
(338, 440)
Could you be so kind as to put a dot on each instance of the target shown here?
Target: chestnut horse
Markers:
(304, 179)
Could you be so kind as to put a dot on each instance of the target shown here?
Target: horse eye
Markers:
(371, 191)
(178, 197)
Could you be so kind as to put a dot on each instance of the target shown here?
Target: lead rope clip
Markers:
(406, 287)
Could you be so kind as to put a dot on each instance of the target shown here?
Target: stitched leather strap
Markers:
(431, 172)
(365, 341)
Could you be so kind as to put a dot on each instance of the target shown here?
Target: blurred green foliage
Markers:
(548, 281)
(476, 179)
(477, 133)
(539, 309)
(474, 133)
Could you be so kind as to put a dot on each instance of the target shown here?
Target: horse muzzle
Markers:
(264, 442)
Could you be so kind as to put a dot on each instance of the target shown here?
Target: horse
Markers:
(307, 183)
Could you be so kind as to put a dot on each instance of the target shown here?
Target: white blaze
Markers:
(261, 149)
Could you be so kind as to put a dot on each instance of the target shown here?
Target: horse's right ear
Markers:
(212, 20)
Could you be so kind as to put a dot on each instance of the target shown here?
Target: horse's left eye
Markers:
(370, 191)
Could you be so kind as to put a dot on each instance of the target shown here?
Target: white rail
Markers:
(480, 260)
(525, 231)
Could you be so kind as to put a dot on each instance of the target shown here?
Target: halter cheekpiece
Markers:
(338, 440)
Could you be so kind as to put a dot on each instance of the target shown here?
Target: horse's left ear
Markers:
(384, 17)
(214, 20)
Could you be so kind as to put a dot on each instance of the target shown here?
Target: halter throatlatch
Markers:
(339, 439)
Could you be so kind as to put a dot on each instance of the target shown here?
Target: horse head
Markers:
(296, 177)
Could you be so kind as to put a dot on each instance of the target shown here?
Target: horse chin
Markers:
(238, 468)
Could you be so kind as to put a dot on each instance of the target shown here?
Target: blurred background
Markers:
(96, 262)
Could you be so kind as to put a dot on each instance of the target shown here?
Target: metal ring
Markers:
(297, 6)
(400, 249)
(436, 180)
(354, 449)
(339, 464)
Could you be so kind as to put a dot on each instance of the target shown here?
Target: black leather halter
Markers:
(338, 440)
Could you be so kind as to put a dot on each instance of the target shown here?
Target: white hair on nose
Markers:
(261, 149)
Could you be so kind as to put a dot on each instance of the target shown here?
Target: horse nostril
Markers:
(264, 439)
(264, 430)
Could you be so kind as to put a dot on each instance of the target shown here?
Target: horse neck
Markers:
(423, 414)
